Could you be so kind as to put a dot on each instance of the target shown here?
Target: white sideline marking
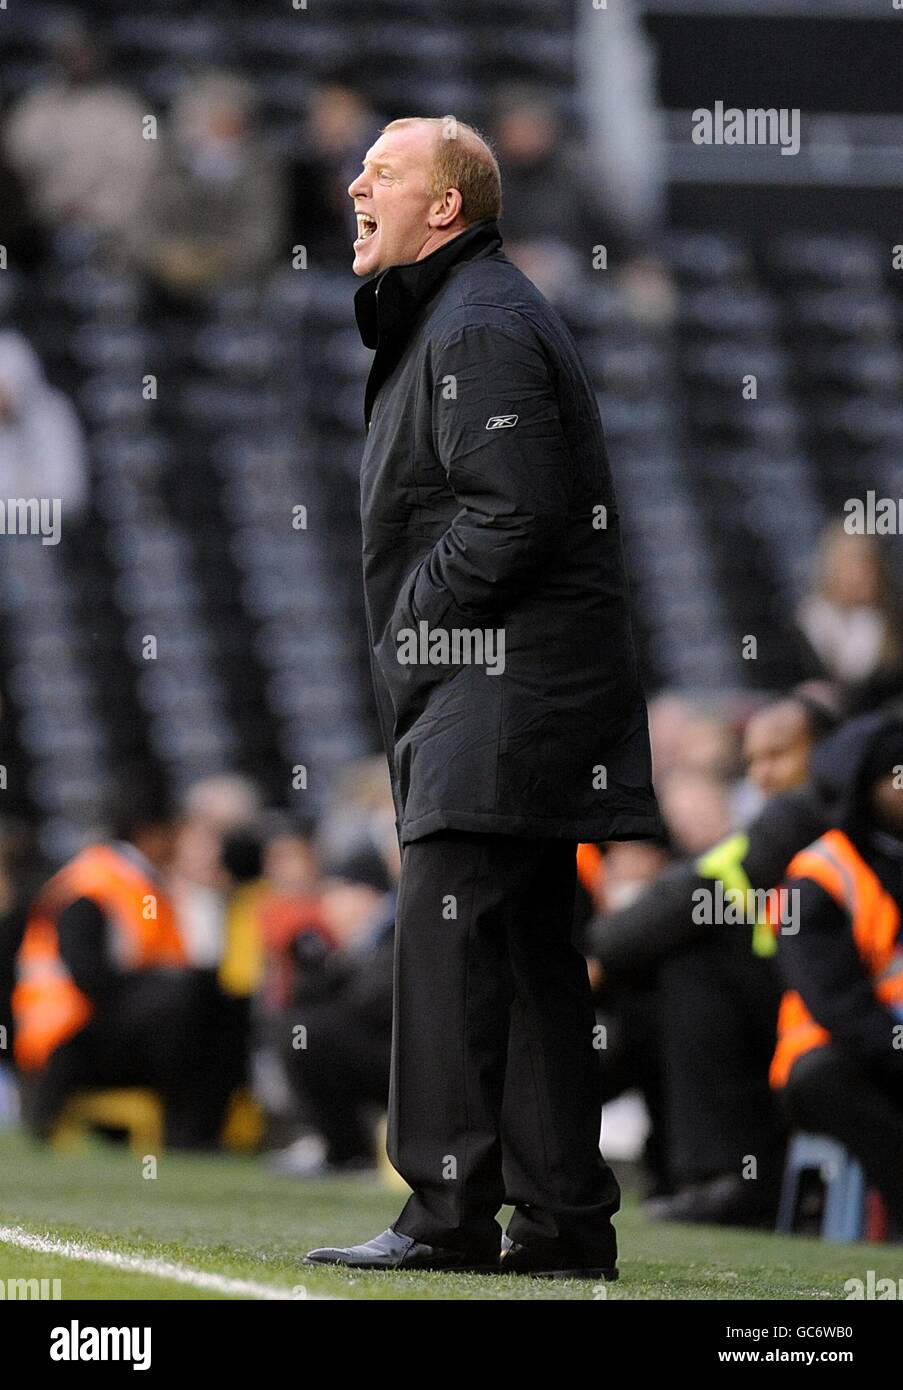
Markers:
(157, 1269)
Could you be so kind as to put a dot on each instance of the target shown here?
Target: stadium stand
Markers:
(193, 534)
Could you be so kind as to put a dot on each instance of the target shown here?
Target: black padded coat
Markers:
(487, 507)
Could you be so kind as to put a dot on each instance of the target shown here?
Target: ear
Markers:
(446, 210)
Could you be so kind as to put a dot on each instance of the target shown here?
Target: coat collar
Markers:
(386, 306)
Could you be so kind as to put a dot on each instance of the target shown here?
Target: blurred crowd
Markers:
(263, 966)
(206, 197)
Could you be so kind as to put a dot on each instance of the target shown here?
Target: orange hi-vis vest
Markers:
(48, 1006)
(838, 867)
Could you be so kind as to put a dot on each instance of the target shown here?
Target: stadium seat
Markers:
(707, 257)
(244, 1125)
(134, 1110)
(843, 1215)
(805, 257)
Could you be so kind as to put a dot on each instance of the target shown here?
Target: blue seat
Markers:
(843, 1216)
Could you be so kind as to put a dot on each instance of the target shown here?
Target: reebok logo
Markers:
(501, 422)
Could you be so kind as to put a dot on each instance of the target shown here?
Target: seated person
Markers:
(104, 993)
(716, 988)
(838, 1064)
(338, 1032)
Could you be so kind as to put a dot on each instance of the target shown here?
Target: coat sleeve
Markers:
(661, 920)
(632, 939)
(498, 435)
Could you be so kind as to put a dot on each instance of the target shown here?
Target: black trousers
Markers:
(830, 1092)
(495, 1087)
(632, 1060)
(340, 1076)
(719, 1004)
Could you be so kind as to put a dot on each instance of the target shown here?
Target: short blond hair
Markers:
(462, 159)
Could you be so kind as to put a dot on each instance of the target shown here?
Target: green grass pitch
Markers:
(229, 1217)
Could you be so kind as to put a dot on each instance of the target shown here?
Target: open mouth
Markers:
(366, 226)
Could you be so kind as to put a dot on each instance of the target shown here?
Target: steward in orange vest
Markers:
(106, 997)
(103, 994)
(838, 1063)
(49, 1007)
(873, 916)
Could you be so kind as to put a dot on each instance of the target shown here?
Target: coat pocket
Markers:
(409, 652)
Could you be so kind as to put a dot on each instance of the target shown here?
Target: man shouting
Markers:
(512, 714)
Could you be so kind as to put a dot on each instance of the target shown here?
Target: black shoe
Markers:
(547, 1260)
(723, 1201)
(394, 1251)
